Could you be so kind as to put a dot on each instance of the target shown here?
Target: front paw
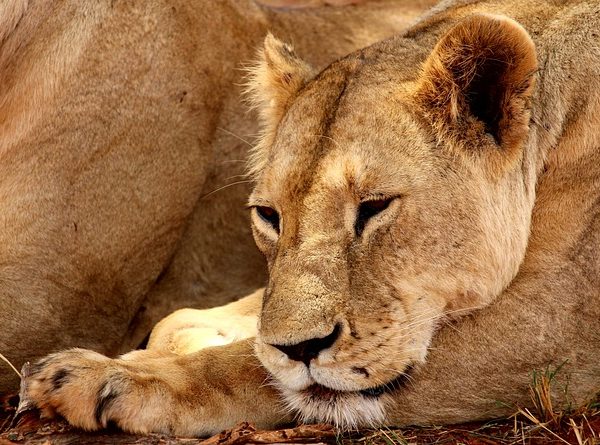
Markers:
(147, 391)
(68, 383)
(91, 391)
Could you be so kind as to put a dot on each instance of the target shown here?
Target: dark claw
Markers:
(25, 403)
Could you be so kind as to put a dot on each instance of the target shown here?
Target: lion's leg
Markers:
(194, 394)
(189, 330)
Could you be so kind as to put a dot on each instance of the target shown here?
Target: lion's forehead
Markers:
(347, 138)
(329, 106)
(360, 153)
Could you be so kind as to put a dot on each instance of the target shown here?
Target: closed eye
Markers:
(367, 210)
(268, 215)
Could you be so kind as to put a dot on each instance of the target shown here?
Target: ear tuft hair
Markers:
(272, 82)
(479, 80)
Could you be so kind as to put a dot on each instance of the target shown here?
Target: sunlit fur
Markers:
(459, 156)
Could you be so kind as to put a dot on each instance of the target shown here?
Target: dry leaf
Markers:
(246, 433)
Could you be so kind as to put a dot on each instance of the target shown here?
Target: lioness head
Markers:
(390, 193)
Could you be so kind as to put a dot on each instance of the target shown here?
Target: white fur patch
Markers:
(346, 411)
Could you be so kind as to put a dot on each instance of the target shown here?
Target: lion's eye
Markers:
(367, 210)
(269, 215)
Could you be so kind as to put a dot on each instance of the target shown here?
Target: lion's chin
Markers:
(345, 409)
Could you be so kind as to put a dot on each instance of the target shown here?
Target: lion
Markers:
(428, 209)
(122, 141)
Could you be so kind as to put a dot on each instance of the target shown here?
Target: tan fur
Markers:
(11, 11)
(122, 148)
(490, 177)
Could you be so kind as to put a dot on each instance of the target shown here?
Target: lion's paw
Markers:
(153, 392)
(92, 391)
(66, 383)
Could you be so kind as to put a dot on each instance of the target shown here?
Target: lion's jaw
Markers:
(380, 211)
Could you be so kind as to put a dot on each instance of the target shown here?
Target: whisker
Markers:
(329, 138)
(243, 175)
(224, 187)
(224, 130)
(226, 161)
(4, 359)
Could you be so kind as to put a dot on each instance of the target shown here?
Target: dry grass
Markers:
(10, 365)
(581, 427)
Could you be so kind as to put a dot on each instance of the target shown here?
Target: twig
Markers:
(11, 365)
(533, 419)
(576, 431)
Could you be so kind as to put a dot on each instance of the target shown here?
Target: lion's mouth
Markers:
(346, 409)
(325, 393)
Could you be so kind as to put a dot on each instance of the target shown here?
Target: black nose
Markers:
(306, 350)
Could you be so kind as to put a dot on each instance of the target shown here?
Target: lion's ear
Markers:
(275, 79)
(272, 82)
(479, 80)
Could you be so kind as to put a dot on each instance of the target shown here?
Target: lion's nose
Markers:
(306, 350)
